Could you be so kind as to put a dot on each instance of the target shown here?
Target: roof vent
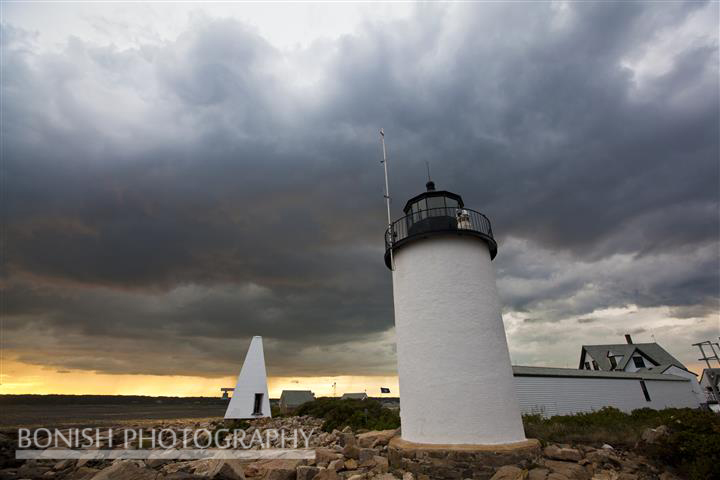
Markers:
(430, 185)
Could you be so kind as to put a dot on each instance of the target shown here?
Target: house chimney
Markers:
(628, 339)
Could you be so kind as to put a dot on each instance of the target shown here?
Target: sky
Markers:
(178, 178)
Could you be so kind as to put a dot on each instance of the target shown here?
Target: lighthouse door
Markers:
(257, 407)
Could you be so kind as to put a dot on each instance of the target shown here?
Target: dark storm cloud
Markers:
(212, 188)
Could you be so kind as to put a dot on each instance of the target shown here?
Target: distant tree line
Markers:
(105, 400)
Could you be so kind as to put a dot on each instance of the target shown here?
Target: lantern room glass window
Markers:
(431, 211)
(419, 210)
(433, 206)
(436, 206)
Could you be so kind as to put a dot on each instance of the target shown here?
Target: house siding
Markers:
(694, 384)
(550, 395)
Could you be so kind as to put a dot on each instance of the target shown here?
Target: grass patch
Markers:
(608, 425)
(693, 445)
(356, 414)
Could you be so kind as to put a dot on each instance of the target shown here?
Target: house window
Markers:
(257, 408)
(587, 365)
(613, 363)
(595, 365)
(638, 361)
(645, 390)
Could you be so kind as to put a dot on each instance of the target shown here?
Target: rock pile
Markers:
(583, 462)
(340, 455)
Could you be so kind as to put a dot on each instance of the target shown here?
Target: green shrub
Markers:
(608, 425)
(693, 445)
(356, 414)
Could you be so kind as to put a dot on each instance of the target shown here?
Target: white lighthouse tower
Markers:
(456, 381)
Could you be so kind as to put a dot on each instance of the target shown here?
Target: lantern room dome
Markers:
(432, 198)
(437, 212)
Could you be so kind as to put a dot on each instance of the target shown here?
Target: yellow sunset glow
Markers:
(21, 378)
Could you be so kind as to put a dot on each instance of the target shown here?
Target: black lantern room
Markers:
(435, 212)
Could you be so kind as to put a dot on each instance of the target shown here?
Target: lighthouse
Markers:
(456, 380)
(250, 398)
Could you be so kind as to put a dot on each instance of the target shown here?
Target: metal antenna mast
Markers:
(387, 197)
(712, 376)
(705, 357)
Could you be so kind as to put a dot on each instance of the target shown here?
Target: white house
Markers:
(637, 357)
(564, 391)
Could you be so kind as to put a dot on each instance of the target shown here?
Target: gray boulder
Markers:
(509, 472)
(558, 453)
(654, 435)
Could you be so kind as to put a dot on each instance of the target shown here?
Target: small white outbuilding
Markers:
(292, 399)
(354, 396)
(251, 399)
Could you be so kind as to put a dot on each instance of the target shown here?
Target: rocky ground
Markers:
(340, 455)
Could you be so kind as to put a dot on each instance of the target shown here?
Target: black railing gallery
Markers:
(436, 220)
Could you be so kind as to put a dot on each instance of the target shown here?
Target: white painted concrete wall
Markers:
(456, 383)
(566, 395)
(252, 380)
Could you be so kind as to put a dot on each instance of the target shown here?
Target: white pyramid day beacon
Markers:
(250, 399)
(456, 380)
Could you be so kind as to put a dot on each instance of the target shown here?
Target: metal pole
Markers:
(711, 375)
(387, 197)
(705, 357)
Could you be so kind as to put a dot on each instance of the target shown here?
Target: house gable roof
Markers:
(652, 351)
(356, 396)
(296, 397)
